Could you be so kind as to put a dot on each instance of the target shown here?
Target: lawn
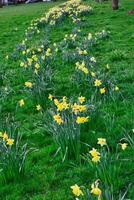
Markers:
(46, 176)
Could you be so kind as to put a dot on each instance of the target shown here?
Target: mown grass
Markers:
(46, 177)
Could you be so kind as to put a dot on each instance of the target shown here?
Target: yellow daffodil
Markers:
(28, 84)
(34, 57)
(82, 67)
(116, 88)
(65, 105)
(76, 190)
(22, 64)
(94, 152)
(85, 52)
(58, 119)
(82, 52)
(50, 97)
(93, 74)
(97, 83)
(28, 50)
(21, 103)
(123, 145)
(60, 106)
(75, 108)
(25, 65)
(7, 57)
(82, 108)
(30, 60)
(64, 99)
(39, 49)
(10, 142)
(85, 70)
(93, 59)
(96, 159)
(38, 107)
(5, 136)
(102, 142)
(81, 99)
(56, 102)
(77, 64)
(37, 66)
(102, 90)
(48, 52)
(96, 190)
(81, 120)
(23, 52)
(56, 50)
(90, 36)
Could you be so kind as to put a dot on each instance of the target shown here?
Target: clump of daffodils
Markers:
(6, 139)
(107, 165)
(12, 154)
(82, 67)
(72, 9)
(95, 155)
(86, 192)
(64, 123)
(102, 34)
(38, 65)
(77, 109)
(95, 81)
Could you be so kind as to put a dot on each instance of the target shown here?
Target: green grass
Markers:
(47, 178)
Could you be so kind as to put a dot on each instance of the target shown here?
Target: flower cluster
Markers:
(6, 139)
(12, 152)
(37, 63)
(102, 34)
(106, 171)
(72, 8)
(95, 190)
(82, 67)
(63, 122)
(99, 80)
(95, 155)
(76, 109)
(95, 79)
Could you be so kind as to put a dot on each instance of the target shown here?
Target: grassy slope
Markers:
(51, 179)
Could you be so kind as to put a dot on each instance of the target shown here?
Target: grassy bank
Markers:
(47, 178)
